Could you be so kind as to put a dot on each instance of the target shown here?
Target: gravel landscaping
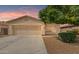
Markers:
(55, 46)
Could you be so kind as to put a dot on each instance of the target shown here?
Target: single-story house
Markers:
(23, 25)
(29, 25)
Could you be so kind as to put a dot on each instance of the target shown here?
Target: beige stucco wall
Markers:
(10, 30)
(54, 28)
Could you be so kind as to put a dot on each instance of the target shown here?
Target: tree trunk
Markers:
(45, 28)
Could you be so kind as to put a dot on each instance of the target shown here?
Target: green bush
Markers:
(68, 37)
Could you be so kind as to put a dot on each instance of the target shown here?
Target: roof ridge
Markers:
(22, 17)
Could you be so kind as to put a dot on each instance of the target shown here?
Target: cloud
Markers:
(29, 10)
(5, 16)
(8, 15)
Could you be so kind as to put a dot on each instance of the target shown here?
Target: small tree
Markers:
(60, 14)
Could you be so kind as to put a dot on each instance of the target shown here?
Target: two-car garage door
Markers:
(27, 29)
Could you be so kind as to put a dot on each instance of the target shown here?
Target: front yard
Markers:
(55, 46)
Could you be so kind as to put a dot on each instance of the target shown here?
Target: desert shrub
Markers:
(68, 37)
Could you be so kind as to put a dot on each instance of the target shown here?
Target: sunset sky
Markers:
(8, 12)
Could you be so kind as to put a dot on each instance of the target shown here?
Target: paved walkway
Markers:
(31, 44)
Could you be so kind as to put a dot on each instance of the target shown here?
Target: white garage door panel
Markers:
(27, 30)
(27, 27)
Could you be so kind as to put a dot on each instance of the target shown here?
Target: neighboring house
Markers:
(56, 28)
(68, 27)
(25, 25)
(3, 28)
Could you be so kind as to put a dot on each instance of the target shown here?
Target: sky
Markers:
(8, 12)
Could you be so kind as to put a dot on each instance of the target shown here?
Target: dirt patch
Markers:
(55, 46)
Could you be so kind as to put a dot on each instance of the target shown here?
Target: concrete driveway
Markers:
(22, 44)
